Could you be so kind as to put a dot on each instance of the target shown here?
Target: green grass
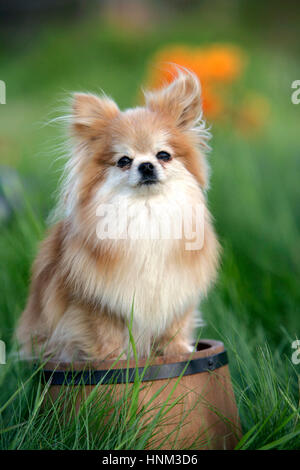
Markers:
(254, 197)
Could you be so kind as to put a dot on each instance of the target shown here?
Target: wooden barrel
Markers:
(196, 387)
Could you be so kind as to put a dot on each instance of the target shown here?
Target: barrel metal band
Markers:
(120, 376)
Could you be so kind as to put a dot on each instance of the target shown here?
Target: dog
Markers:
(89, 292)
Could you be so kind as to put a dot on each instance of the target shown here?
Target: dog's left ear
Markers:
(181, 100)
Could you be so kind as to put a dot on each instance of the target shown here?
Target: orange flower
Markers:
(214, 65)
(221, 63)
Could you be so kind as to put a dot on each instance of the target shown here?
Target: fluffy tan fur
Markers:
(83, 289)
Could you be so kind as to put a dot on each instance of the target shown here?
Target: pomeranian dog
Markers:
(87, 290)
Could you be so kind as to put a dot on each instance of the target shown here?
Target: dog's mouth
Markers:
(148, 181)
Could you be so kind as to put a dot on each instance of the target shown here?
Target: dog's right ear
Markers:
(91, 114)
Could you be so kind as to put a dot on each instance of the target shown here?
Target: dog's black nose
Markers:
(146, 169)
(148, 173)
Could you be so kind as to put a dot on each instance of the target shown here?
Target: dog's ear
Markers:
(181, 100)
(91, 114)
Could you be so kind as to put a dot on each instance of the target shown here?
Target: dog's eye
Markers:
(124, 161)
(165, 156)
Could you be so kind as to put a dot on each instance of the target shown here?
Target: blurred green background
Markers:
(49, 49)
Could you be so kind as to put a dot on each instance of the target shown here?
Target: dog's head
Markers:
(140, 150)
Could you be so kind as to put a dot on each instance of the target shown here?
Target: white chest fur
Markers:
(149, 279)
